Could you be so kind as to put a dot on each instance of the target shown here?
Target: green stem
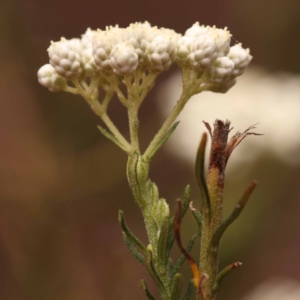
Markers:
(168, 123)
(191, 86)
(121, 96)
(107, 99)
(133, 124)
(99, 111)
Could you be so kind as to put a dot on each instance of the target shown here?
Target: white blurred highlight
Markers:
(272, 100)
(276, 289)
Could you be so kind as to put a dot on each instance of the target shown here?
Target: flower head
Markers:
(49, 78)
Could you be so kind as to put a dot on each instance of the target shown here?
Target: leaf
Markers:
(198, 218)
(128, 232)
(152, 271)
(186, 200)
(189, 291)
(144, 287)
(236, 212)
(199, 170)
(177, 286)
(223, 273)
(111, 137)
(133, 249)
(162, 251)
(164, 139)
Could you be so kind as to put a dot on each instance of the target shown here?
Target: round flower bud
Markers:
(204, 52)
(241, 58)
(87, 57)
(170, 34)
(222, 38)
(88, 62)
(161, 53)
(103, 43)
(137, 34)
(49, 78)
(196, 30)
(87, 38)
(184, 46)
(123, 59)
(221, 70)
(65, 57)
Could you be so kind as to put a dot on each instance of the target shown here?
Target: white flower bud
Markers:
(123, 59)
(196, 30)
(137, 35)
(222, 38)
(221, 70)
(161, 53)
(204, 52)
(87, 57)
(241, 58)
(87, 38)
(65, 57)
(103, 43)
(49, 78)
(88, 62)
(170, 34)
(184, 48)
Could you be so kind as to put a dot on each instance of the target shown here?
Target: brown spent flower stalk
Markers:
(207, 278)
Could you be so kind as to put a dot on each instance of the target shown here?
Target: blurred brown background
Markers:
(62, 183)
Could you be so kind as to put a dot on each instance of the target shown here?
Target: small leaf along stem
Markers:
(200, 176)
(223, 273)
(233, 216)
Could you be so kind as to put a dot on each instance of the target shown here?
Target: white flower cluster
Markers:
(123, 51)
(206, 48)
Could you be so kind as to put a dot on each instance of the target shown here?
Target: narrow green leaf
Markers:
(170, 266)
(189, 291)
(223, 273)
(198, 218)
(199, 170)
(133, 249)
(236, 212)
(186, 200)
(164, 139)
(182, 258)
(152, 271)
(128, 232)
(162, 251)
(144, 287)
(177, 286)
(111, 137)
